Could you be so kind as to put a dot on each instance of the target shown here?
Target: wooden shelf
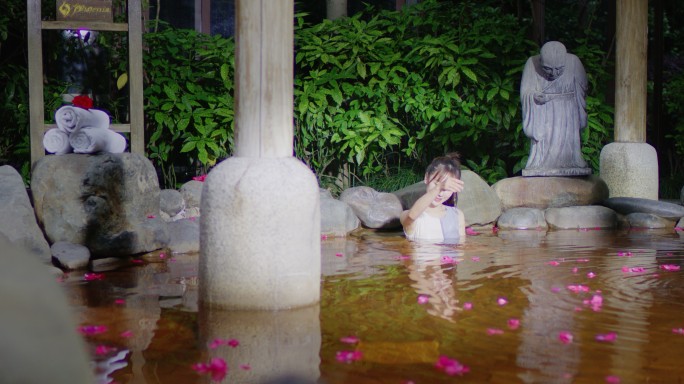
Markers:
(91, 25)
(35, 26)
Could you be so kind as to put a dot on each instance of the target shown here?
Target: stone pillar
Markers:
(260, 225)
(629, 166)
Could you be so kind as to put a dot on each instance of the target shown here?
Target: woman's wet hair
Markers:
(449, 163)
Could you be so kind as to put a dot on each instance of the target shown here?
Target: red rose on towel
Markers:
(82, 101)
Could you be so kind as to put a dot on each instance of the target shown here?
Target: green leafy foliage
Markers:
(189, 99)
(375, 90)
(383, 88)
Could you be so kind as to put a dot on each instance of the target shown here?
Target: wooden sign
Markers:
(84, 10)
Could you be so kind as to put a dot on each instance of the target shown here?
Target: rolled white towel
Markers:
(56, 141)
(91, 140)
(70, 118)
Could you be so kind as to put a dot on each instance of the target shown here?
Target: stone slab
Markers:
(627, 205)
(550, 192)
(581, 217)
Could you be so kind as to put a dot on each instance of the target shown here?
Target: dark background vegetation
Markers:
(377, 94)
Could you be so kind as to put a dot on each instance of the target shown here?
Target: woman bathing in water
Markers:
(430, 218)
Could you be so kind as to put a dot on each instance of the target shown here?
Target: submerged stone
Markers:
(648, 220)
(582, 217)
(627, 205)
(184, 236)
(70, 255)
(522, 218)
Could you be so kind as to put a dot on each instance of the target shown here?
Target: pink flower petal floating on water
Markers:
(338, 254)
(494, 331)
(103, 350)
(200, 178)
(217, 367)
(219, 342)
(451, 366)
(471, 232)
(423, 299)
(670, 267)
(467, 306)
(90, 330)
(591, 275)
(126, 334)
(606, 337)
(565, 337)
(575, 270)
(624, 254)
(137, 261)
(679, 229)
(596, 302)
(576, 288)
(151, 216)
(403, 257)
(612, 379)
(245, 367)
(447, 260)
(119, 301)
(555, 289)
(633, 269)
(513, 323)
(91, 276)
(475, 258)
(553, 263)
(349, 339)
(348, 356)
(679, 331)
(582, 260)
(502, 301)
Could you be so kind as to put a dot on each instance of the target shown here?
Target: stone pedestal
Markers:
(274, 344)
(630, 170)
(260, 235)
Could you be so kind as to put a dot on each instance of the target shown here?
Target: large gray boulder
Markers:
(18, 222)
(550, 192)
(627, 205)
(38, 338)
(377, 210)
(478, 201)
(107, 202)
(337, 217)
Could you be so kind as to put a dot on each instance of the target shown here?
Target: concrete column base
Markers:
(276, 344)
(260, 235)
(630, 170)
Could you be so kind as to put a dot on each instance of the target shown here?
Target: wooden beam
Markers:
(630, 70)
(91, 25)
(135, 77)
(35, 73)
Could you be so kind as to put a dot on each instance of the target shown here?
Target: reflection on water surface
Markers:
(520, 306)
